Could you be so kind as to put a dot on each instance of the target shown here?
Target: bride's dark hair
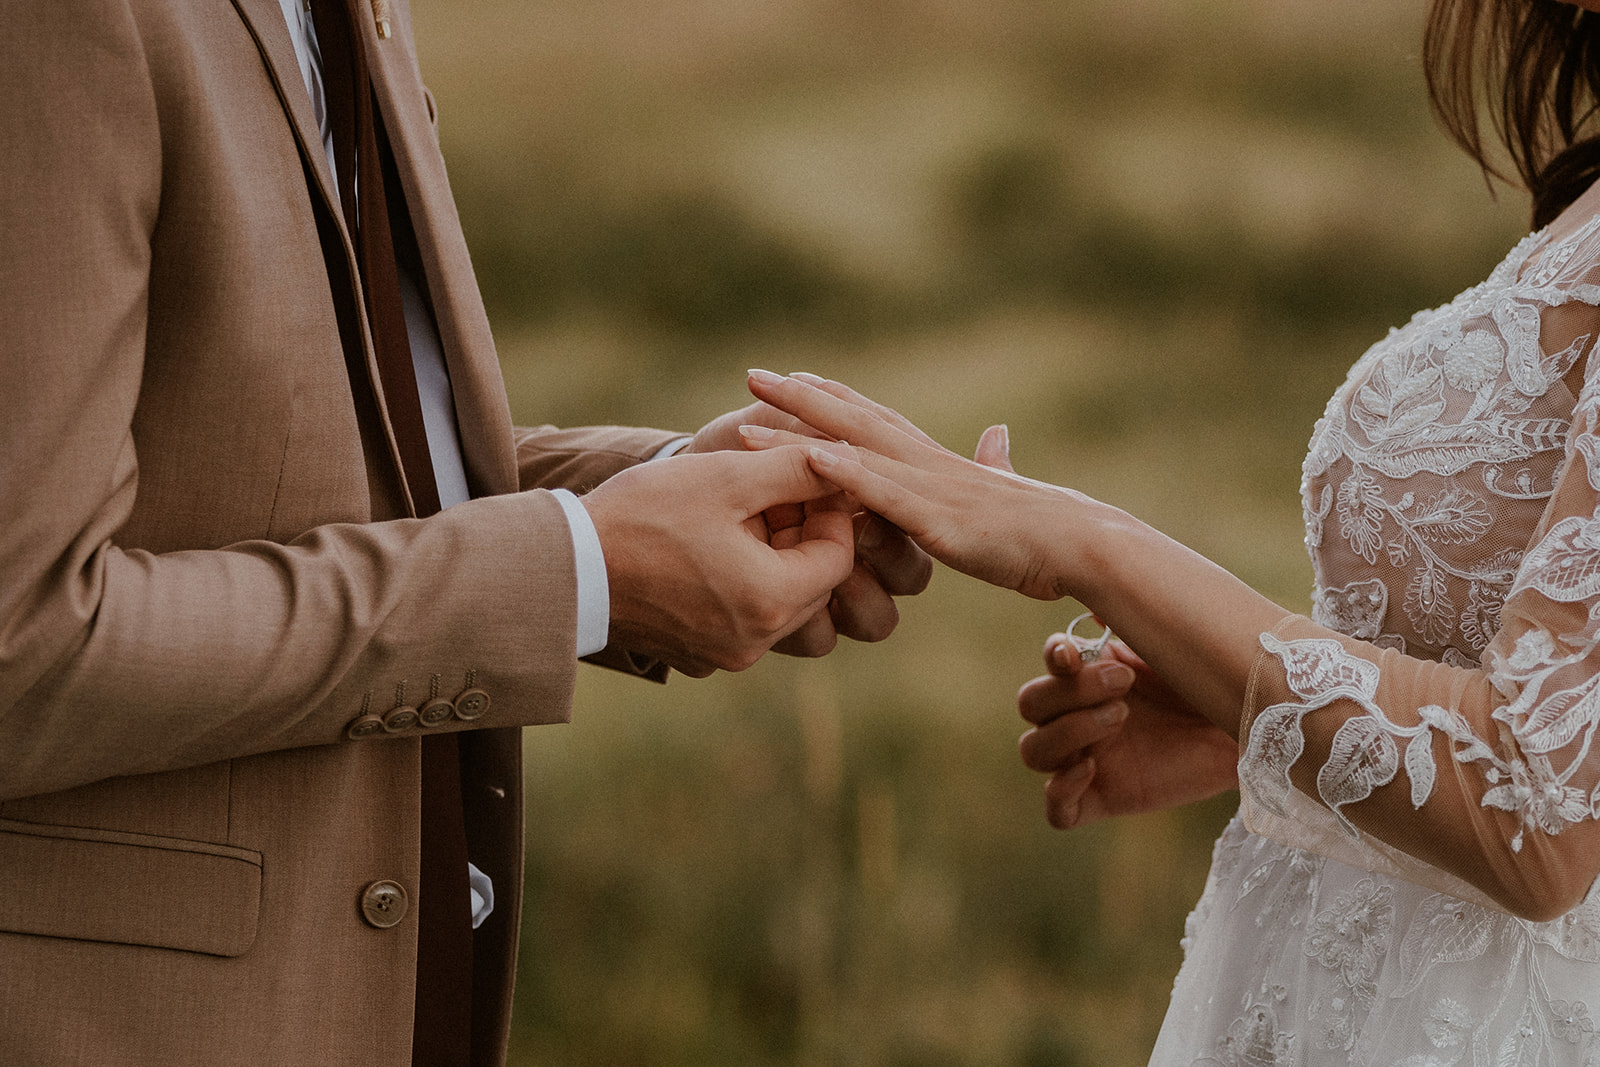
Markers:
(1534, 67)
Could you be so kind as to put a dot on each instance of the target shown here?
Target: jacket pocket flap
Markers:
(130, 889)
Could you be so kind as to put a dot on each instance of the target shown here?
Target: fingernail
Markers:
(872, 533)
(809, 379)
(758, 433)
(1056, 650)
(823, 458)
(1079, 771)
(1111, 714)
(765, 377)
(1005, 439)
(1115, 676)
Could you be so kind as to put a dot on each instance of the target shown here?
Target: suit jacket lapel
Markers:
(265, 21)
(482, 413)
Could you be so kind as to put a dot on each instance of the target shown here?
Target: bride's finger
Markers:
(895, 498)
(883, 411)
(914, 487)
(839, 417)
(1051, 696)
(1064, 795)
(1061, 741)
(1061, 656)
(994, 448)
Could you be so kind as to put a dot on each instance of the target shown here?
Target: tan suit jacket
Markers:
(206, 568)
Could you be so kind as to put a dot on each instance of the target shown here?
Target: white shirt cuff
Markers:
(482, 892)
(673, 447)
(594, 591)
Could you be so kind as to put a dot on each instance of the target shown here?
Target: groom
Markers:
(279, 580)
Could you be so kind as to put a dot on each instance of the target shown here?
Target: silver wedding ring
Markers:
(1089, 648)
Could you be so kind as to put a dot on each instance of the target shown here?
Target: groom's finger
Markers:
(768, 479)
(901, 567)
(861, 610)
(815, 637)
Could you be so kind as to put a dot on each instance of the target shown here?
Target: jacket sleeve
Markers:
(580, 458)
(116, 661)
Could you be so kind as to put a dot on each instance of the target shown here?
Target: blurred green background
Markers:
(1150, 235)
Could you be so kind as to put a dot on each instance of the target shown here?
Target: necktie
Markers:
(361, 154)
(367, 177)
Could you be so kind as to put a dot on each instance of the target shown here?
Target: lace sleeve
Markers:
(1480, 780)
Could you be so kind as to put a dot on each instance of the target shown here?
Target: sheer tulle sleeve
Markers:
(1479, 780)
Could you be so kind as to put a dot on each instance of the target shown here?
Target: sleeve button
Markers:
(435, 712)
(471, 704)
(400, 719)
(365, 726)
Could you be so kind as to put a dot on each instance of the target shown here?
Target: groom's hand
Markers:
(887, 563)
(712, 559)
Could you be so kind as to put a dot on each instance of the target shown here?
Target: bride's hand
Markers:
(978, 517)
(1116, 740)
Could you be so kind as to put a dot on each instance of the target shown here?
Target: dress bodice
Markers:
(1431, 466)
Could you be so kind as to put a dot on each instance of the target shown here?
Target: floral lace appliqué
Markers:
(1253, 1040)
(1350, 939)
(1367, 753)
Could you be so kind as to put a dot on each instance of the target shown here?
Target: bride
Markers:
(1409, 881)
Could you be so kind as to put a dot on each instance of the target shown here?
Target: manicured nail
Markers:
(765, 377)
(758, 433)
(1005, 439)
(1057, 653)
(823, 458)
(1111, 714)
(809, 379)
(1079, 771)
(1115, 676)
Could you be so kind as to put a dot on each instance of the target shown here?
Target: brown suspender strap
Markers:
(442, 1027)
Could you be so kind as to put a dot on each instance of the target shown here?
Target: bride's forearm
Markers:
(1190, 619)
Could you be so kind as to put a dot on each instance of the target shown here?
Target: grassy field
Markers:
(1150, 235)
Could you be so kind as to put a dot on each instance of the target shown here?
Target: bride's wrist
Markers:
(1079, 550)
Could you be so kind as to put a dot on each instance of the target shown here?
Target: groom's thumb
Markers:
(774, 477)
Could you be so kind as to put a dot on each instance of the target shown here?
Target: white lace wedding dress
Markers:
(1426, 745)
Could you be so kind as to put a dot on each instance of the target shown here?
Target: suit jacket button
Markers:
(471, 704)
(384, 904)
(403, 718)
(365, 726)
(435, 712)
